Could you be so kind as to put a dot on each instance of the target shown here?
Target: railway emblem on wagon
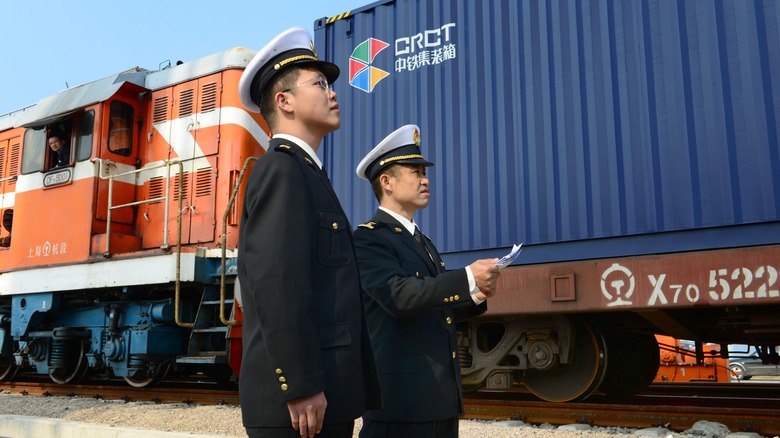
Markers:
(617, 285)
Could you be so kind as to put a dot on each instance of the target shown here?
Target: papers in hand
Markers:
(509, 258)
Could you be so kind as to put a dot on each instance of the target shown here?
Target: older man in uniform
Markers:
(307, 366)
(413, 302)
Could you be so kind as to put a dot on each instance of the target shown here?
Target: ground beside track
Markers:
(220, 420)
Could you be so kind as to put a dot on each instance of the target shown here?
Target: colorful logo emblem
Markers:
(362, 75)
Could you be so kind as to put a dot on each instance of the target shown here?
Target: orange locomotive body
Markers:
(122, 260)
(681, 362)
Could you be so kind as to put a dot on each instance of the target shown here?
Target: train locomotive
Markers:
(120, 262)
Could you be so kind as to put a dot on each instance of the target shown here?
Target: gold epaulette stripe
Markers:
(402, 157)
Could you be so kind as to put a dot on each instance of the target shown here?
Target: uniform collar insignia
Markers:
(370, 225)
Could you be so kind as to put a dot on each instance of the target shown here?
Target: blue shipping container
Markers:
(584, 129)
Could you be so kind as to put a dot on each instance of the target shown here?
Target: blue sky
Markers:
(47, 44)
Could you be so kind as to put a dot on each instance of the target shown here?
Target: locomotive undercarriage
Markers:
(127, 333)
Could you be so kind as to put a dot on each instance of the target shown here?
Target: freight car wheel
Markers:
(577, 379)
(630, 373)
(143, 379)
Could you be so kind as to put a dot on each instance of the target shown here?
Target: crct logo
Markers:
(362, 75)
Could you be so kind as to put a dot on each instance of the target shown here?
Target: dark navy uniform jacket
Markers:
(303, 327)
(411, 310)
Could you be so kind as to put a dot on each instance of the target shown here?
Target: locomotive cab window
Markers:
(34, 150)
(84, 135)
(58, 144)
(120, 128)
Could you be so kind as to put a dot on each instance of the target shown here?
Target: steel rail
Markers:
(662, 412)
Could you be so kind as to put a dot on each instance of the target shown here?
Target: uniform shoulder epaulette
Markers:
(369, 225)
(285, 148)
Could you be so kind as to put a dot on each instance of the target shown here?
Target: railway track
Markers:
(186, 392)
(743, 408)
(746, 408)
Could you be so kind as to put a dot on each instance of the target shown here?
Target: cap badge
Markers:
(416, 137)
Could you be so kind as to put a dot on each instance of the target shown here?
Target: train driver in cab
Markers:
(59, 143)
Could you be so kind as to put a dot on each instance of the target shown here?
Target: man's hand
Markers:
(308, 413)
(485, 273)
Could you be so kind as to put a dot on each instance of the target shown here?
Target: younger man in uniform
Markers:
(307, 367)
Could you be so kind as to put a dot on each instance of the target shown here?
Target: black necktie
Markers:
(423, 242)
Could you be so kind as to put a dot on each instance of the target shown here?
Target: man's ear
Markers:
(384, 182)
(282, 101)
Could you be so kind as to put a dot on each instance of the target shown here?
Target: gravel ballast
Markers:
(225, 421)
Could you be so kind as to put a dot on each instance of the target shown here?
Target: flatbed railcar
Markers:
(632, 147)
(122, 263)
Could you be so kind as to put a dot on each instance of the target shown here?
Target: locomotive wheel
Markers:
(630, 373)
(577, 379)
(8, 368)
(143, 379)
(75, 371)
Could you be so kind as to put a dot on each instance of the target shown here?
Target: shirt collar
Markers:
(409, 225)
(305, 146)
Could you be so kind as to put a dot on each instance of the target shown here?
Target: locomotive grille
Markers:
(186, 101)
(155, 188)
(185, 187)
(208, 97)
(13, 169)
(160, 109)
(203, 182)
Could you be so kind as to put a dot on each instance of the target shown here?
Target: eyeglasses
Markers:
(320, 81)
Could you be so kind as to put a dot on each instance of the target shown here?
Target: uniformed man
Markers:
(412, 303)
(307, 366)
